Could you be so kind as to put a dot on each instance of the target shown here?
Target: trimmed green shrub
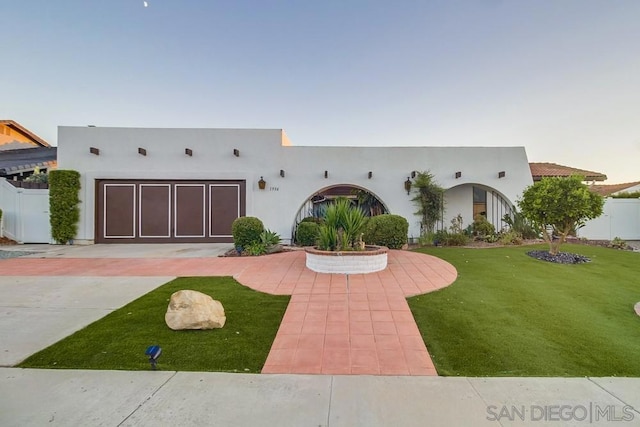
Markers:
(307, 233)
(64, 213)
(386, 230)
(445, 238)
(457, 239)
(246, 230)
(312, 219)
(482, 227)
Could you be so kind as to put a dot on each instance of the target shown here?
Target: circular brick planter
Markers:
(372, 259)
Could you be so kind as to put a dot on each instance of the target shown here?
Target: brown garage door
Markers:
(167, 211)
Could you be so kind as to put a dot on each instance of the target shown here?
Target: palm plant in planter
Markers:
(340, 247)
(342, 227)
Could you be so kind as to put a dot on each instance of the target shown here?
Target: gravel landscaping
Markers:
(560, 258)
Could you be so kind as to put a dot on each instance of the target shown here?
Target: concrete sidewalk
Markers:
(117, 398)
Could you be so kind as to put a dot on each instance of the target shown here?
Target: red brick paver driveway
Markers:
(334, 324)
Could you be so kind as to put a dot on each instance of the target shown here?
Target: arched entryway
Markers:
(471, 199)
(315, 204)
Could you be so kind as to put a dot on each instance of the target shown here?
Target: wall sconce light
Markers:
(188, 152)
(502, 174)
(370, 174)
(142, 151)
(407, 185)
(413, 174)
(94, 150)
(326, 174)
(262, 183)
(458, 175)
(282, 173)
(236, 152)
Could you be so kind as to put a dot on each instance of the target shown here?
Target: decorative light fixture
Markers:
(282, 173)
(94, 150)
(407, 185)
(502, 174)
(413, 174)
(262, 183)
(326, 174)
(236, 152)
(370, 174)
(142, 151)
(458, 175)
(153, 351)
(188, 152)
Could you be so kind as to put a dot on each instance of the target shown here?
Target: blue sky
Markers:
(560, 77)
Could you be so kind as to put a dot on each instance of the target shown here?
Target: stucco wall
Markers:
(262, 153)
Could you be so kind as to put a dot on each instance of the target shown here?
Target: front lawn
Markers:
(509, 314)
(119, 340)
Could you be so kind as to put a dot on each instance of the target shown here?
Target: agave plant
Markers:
(342, 226)
(269, 238)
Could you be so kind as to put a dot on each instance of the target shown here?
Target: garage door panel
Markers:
(190, 212)
(165, 211)
(155, 211)
(224, 200)
(119, 211)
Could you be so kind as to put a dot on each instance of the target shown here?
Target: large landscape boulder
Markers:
(194, 310)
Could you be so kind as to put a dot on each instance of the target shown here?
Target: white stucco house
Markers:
(188, 185)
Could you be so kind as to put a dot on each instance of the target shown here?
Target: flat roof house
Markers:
(188, 185)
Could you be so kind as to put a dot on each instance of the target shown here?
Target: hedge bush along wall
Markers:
(246, 230)
(386, 230)
(307, 233)
(64, 213)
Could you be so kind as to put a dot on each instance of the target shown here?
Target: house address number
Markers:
(274, 189)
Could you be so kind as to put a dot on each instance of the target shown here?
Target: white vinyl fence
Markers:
(25, 214)
(620, 218)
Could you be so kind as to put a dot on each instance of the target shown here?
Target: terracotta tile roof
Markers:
(27, 159)
(19, 128)
(607, 190)
(541, 170)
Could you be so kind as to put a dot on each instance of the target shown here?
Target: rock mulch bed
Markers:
(560, 258)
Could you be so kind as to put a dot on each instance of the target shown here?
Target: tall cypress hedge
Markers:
(64, 212)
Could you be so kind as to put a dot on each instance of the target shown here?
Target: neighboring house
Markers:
(543, 170)
(613, 189)
(188, 185)
(21, 152)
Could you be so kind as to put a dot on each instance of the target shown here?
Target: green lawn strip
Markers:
(119, 340)
(509, 314)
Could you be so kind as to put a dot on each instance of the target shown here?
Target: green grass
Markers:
(509, 314)
(119, 340)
